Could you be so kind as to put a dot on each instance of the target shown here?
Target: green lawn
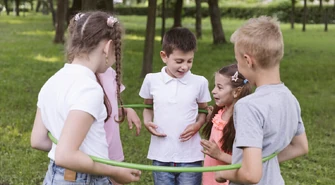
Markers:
(28, 58)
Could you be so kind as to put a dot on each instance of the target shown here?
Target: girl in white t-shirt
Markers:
(73, 107)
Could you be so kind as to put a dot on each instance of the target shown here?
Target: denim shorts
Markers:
(174, 178)
(55, 176)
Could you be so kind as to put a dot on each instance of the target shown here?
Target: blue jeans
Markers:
(55, 176)
(172, 178)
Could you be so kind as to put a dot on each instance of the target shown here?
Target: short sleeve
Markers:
(145, 88)
(248, 125)
(204, 94)
(301, 127)
(89, 99)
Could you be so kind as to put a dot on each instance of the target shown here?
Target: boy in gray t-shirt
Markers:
(268, 120)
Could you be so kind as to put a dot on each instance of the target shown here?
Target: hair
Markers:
(262, 39)
(85, 32)
(179, 38)
(229, 130)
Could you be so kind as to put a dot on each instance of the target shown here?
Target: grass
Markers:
(28, 58)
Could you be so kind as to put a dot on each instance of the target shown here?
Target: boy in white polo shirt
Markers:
(174, 122)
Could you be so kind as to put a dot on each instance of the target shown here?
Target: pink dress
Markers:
(115, 151)
(208, 178)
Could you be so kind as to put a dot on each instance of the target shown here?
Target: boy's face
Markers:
(178, 63)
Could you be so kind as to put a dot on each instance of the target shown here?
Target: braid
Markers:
(116, 37)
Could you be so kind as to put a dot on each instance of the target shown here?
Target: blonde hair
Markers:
(262, 39)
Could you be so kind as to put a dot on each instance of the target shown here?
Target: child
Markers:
(269, 120)
(174, 122)
(71, 106)
(230, 86)
(111, 83)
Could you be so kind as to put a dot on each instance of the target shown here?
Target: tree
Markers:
(217, 31)
(177, 13)
(163, 20)
(198, 18)
(292, 13)
(88, 4)
(149, 38)
(304, 18)
(62, 6)
(53, 13)
(6, 6)
(17, 7)
(109, 5)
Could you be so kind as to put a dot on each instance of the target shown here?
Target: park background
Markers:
(31, 51)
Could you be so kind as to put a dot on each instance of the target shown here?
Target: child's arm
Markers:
(250, 171)
(212, 149)
(39, 136)
(148, 115)
(192, 129)
(69, 156)
(297, 147)
(132, 118)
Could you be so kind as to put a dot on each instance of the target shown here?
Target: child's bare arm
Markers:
(132, 118)
(192, 129)
(148, 115)
(297, 147)
(250, 171)
(212, 149)
(39, 136)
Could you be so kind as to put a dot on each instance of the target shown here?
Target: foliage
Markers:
(29, 58)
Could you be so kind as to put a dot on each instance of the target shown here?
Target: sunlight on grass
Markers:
(41, 58)
(12, 21)
(135, 37)
(38, 33)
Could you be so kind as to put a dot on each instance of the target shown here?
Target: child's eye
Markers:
(190, 61)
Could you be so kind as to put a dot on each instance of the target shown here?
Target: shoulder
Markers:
(198, 79)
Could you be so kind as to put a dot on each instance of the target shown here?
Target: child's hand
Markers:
(210, 148)
(126, 175)
(189, 131)
(209, 113)
(133, 118)
(152, 128)
(219, 176)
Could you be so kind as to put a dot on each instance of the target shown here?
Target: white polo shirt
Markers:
(175, 107)
(74, 87)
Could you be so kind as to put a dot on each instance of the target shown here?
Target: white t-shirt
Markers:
(74, 87)
(175, 102)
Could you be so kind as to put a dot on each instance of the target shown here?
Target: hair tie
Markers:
(234, 77)
(111, 21)
(78, 16)
(245, 81)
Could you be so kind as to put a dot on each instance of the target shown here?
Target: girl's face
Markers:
(223, 91)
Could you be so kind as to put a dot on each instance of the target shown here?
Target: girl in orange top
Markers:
(219, 131)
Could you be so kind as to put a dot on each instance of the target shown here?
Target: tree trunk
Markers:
(60, 21)
(17, 7)
(149, 39)
(6, 6)
(198, 18)
(53, 13)
(217, 31)
(75, 8)
(163, 20)
(292, 13)
(304, 16)
(177, 13)
(320, 6)
(326, 19)
(38, 5)
(109, 5)
(31, 5)
(88, 4)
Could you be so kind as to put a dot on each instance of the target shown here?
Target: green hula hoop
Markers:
(165, 168)
(150, 106)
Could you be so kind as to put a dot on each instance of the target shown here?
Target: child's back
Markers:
(271, 119)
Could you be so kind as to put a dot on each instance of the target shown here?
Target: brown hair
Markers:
(229, 130)
(262, 39)
(85, 32)
(179, 38)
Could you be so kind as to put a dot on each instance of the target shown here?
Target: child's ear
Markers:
(248, 59)
(108, 47)
(236, 92)
(163, 56)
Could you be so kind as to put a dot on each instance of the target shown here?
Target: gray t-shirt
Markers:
(267, 119)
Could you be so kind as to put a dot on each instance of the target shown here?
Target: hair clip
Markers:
(78, 16)
(245, 81)
(234, 77)
(111, 21)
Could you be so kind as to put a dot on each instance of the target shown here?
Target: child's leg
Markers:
(188, 178)
(161, 178)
